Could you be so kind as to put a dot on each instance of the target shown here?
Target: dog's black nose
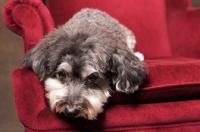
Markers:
(71, 112)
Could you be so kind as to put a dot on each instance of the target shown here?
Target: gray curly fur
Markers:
(90, 37)
(92, 41)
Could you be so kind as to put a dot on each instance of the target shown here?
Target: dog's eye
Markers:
(92, 77)
(61, 74)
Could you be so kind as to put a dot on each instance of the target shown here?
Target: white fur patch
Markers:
(117, 87)
(139, 55)
(87, 70)
(65, 66)
(56, 90)
(130, 42)
(97, 99)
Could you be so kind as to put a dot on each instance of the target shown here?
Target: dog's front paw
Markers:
(139, 55)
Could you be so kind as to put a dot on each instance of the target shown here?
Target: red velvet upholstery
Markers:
(166, 32)
(132, 13)
(29, 19)
(184, 29)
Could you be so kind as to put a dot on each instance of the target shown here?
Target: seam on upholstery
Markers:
(129, 128)
(163, 87)
(152, 127)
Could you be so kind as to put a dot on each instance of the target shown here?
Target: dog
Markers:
(81, 61)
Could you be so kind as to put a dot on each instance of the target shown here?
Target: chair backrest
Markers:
(146, 18)
(183, 27)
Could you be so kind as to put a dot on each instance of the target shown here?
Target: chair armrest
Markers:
(184, 28)
(29, 19)
(29, 95)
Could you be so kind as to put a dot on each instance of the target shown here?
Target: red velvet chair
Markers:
(167, 33)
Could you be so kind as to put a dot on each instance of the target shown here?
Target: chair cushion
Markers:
(146, 18)
(169, 79)
(171, 116)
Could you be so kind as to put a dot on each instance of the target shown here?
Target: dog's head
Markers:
(78, 66)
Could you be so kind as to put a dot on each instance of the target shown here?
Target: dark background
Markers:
(10, 58)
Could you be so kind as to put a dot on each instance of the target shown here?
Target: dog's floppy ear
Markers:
(45, 56)
(127, 71)
(36, 60)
